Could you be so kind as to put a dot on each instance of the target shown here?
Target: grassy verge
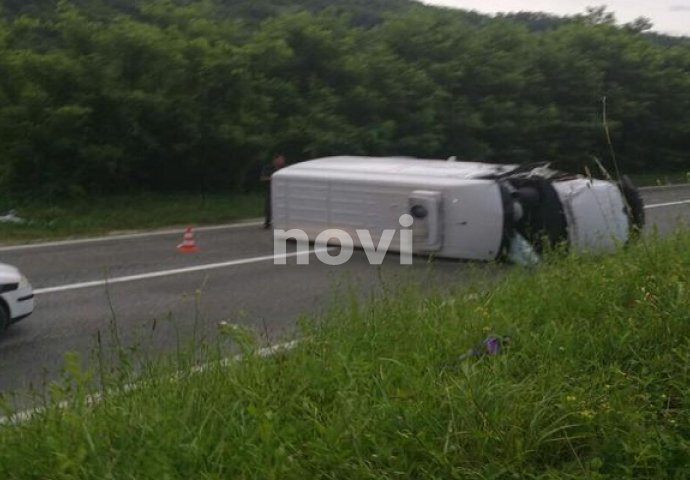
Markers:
(120, 213)
(594, 384)
(660, 179)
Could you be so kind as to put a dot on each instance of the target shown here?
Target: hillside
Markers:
(114, 96)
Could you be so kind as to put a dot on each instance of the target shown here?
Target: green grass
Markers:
(595, 384)
(121, 213)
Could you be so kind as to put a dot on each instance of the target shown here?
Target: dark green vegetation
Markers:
(80, 217)
(594, 384)
(120, 96)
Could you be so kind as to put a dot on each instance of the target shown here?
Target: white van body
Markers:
(464, 210)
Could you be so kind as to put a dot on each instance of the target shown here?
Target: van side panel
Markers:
(471, 210)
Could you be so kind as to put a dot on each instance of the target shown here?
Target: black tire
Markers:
(633, 203)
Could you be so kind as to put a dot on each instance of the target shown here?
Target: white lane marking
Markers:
(669, 204)
(91, 400)
(128, 236)
(177, 271)
(656, 188)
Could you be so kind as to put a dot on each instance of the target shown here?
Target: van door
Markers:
(426, 210)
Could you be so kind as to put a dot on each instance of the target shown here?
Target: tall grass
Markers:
(593, 384)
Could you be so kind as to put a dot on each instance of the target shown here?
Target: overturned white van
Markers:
(461, 210)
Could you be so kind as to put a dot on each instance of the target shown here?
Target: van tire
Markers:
(633, 203)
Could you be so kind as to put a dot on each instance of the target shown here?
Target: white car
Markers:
(16, 296)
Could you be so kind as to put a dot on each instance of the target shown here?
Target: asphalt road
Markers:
(232, 278)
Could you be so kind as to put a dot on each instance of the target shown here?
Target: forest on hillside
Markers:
(107, 96)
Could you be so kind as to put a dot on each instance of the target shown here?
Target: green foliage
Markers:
(593, 384)
(111, 96)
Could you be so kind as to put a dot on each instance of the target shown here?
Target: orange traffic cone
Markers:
(188, 244)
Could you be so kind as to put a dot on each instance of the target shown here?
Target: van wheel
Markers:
(634, 203)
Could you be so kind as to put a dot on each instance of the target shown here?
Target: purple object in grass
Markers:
(493, 345)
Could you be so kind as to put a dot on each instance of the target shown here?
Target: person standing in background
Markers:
(267, 172)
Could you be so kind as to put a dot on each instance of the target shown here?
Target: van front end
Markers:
(548, 208)
(596, 214)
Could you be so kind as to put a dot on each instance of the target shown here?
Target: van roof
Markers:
(398, 167)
